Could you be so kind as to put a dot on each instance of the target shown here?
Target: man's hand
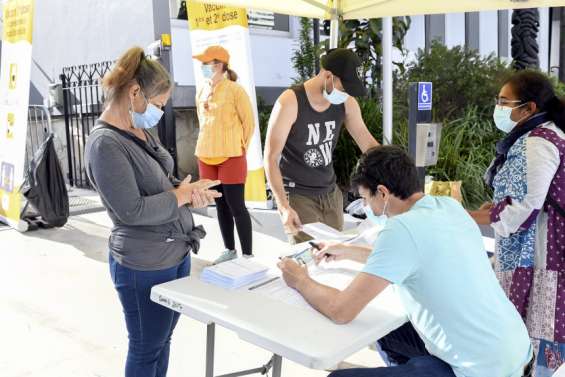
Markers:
(330, 251)
(292, 273)
(291, 221)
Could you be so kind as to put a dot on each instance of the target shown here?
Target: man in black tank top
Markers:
(303, 132)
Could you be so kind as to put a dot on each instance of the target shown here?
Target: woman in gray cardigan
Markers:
(154, 230)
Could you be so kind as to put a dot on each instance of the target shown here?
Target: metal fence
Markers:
(38, 129)
(82, 103)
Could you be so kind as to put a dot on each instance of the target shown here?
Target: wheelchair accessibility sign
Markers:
(424, 96)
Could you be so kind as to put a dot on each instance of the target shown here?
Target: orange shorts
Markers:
(233, 171)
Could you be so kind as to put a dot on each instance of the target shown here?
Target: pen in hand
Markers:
(317, 247)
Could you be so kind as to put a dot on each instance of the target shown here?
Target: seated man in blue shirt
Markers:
(433, 251)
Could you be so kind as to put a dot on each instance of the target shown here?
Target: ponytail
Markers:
(230, 73)
(123, 72)
(133, 67)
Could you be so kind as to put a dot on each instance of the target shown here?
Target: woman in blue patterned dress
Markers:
(528, 211)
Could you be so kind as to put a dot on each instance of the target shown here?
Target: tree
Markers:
(365, 37)
(525, 49)
(304, 58)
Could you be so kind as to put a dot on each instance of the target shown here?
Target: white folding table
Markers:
(295, 333)
(288, 331)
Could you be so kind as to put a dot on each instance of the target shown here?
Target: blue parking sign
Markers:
(424, 96)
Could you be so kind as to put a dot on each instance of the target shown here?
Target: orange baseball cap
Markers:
(214, 53)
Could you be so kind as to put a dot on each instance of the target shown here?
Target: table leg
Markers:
(210, 343)
(277, 365)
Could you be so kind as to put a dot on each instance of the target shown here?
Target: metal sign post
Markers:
(420, 111)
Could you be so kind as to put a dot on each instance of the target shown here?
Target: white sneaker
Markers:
(248, 256)
(226, 256)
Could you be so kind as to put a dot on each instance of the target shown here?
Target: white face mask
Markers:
(208, 71)
(376, 219)
(336, 97)
(149, 118)
(502, 118)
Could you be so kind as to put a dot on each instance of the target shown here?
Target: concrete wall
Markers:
(98, 30)
(86, 31)
(187, 134)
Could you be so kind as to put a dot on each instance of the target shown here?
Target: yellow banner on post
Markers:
(15, 72)
(227, 26)
(214, 17)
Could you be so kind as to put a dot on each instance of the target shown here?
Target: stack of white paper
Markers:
(234, 274)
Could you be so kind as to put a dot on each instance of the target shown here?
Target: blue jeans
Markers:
(150, 325)
(404, 347)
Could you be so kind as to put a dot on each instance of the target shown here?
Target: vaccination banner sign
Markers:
(15, 71)
(226, 26)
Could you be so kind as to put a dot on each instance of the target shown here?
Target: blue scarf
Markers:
(504, 145)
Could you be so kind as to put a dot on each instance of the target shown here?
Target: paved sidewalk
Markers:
(60, 316)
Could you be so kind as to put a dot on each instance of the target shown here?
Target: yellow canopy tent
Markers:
(356, 9)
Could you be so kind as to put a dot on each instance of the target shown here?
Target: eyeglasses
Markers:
(505, 102)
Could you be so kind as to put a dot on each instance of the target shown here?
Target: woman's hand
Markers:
(330, 251)
(482, 215)
(197, 194)
(203, 198)
(486, 206)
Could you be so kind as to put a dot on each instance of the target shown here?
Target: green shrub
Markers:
(461, 78)
(304, 57)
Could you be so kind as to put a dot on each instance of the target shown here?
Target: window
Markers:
(268, 20)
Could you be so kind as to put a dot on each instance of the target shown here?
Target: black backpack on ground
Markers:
(44, 187)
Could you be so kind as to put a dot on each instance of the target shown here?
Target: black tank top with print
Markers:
(306, 161)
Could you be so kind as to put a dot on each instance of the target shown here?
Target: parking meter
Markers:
(423, 135)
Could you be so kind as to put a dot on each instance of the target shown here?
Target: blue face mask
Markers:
(502, 118)
(336, 97)
(208, 71)
(377, 220)
(148, 119)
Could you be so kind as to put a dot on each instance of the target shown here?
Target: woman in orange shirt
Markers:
(226, 127)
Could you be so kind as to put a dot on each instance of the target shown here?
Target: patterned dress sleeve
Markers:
(515, 213)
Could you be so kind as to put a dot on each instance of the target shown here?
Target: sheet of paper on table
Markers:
(365, 233)
(336, 277)
(321, 232)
